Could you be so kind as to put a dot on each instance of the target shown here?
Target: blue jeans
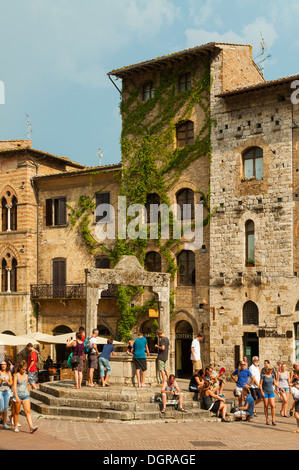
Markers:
(104, 364)
(4, 400)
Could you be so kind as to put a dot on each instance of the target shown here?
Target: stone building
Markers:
(201, 126)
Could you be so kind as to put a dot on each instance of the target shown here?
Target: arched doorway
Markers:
(183, 341)
(61, 351)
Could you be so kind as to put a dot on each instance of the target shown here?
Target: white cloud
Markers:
(250, 34)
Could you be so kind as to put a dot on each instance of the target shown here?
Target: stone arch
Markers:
(12, 251)
(12, 193)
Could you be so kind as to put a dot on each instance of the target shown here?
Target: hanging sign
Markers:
(152, 313)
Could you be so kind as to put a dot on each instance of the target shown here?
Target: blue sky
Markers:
(55, 56)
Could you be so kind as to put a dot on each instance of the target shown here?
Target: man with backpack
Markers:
(91, 350)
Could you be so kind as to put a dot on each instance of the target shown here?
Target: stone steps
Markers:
(111, 404)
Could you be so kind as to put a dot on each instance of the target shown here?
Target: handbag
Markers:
(75, 359)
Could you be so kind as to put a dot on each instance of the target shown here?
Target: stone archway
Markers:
(127, 272)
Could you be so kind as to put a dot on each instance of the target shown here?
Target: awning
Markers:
(42, 338)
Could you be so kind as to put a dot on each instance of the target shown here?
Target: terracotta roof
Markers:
(206, 48)
(41, 153)
(86, 170)
(266, 84)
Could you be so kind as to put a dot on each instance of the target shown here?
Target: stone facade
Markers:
(246, 112)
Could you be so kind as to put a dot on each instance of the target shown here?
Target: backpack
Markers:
(40, 362)
(87, 346)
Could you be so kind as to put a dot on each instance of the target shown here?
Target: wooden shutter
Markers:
(59, 277)
(4, 284)
(49, 212)
(13, 276)
(60, 211)
(13, 214)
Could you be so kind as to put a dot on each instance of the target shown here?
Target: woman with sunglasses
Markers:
(5, 384)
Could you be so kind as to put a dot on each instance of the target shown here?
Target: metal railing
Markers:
(50, 291)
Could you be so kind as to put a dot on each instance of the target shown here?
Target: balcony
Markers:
(67, 291)
(50, 291)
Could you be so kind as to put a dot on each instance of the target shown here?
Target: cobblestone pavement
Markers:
(158, 436)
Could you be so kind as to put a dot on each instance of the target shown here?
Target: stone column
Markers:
(93, 295)
(163, 296)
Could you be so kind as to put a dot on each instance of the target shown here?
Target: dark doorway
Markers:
(250, 346)
(183, 341)
(61, 351)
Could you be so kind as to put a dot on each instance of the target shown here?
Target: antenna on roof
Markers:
(29, 127)
(100, 154)
(261, 63)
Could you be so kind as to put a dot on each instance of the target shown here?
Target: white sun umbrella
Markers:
(10, 340)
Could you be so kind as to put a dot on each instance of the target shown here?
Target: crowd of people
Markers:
(252, 384)
(15, 384)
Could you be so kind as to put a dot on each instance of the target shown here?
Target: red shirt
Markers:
(32, 357)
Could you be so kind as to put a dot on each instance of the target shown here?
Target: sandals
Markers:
(163, 410)
(182, 410)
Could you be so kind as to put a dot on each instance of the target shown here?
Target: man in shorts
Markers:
(241, 380)
(248, 409)
(195, 352)
(140, 351)
(32, 366)
(92, 357)
(163, 349)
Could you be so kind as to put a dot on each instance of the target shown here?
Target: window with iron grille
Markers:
(184, 82)
(185, 134)
(250, 313)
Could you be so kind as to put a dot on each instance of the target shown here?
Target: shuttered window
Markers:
(185, 134)
(184, 82)
(13, 214)
(56, 211)
(13, 276)
(102, 198)
(4, 215)
(59, 277)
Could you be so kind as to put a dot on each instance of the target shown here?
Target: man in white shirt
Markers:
(195, 352)
(254, 387)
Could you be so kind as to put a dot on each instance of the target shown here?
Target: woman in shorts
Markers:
(5, 390)
(21, 396)
(267, 384)
(283, 378)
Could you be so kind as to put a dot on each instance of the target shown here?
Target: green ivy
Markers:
(151, 165)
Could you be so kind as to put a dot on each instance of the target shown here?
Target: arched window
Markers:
(185, 134)
(152, 200)
(13, 276)
(4, 215)
(253, 163)
(4, 276)
(148, 91)
(185, 197)
(250, 313)
(186, 265)
(249, 234)
(13, 214)
(153, 262)
(9, 276)
(184, 82)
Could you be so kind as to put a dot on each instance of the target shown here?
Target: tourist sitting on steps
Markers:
(212, 402)
(171, 389)
(196, 381)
